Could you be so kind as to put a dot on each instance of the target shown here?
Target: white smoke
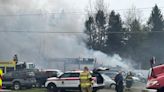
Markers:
(34, 15)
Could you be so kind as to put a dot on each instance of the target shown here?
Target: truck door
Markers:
(7, 79)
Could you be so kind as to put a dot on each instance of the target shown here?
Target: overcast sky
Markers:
(76, 5)
(121, 6)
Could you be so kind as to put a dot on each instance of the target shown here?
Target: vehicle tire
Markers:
(16, 86)
(113, 86)
(80, 88)
(52, 87)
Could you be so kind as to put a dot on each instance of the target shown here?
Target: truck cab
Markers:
(156, 78)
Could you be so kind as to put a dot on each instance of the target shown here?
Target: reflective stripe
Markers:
(85, 85)
(83, 77)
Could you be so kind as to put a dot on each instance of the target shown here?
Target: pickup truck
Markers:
(18, 79)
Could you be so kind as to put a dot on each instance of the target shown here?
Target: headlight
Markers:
(152, 82)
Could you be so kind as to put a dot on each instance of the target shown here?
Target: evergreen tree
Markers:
(155, 21)
(156, 25)
(156, 34)
(100, 19)
(136, 35)
(91, 33)
(114, 37)
(95, 28)
(136, 39)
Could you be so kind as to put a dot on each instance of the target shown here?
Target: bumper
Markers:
(153, 86)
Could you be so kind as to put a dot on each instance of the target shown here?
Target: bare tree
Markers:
(131, 15)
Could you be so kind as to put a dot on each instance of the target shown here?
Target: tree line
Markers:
(131, 38)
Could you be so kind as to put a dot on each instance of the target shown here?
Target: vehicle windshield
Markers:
(150, 73)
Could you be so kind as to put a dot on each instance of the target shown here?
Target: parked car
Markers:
(41, 76)
(19, 79)
(53, 72)
(141, 77)
(109, 83)
(111, 74)
(70, 81)
(136, 79)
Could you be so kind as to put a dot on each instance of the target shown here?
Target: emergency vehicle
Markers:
(156, 78)
(7, 66)
(70, 81)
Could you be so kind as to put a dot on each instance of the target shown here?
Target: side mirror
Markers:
(58, 76)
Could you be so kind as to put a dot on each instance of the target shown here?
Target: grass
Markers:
(32, 90)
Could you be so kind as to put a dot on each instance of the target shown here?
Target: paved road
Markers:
(137, 87)
(111, 90)
(132, 90)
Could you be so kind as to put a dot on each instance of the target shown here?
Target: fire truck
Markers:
(156, 77)
(7, 66)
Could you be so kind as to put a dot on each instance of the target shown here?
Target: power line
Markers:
(72, 13)
(55, 32)
(41, 32)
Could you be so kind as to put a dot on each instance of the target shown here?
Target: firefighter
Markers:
(86, 80)
(1, 73)
(129, 80)
(15, 58)
(119, 82)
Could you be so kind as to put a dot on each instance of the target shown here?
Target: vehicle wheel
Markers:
(80, 89)
(112, 86)
(16, 86)
(52, 87)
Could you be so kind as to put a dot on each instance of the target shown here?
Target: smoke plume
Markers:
(35, 33)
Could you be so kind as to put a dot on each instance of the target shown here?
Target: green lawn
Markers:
(32, 90)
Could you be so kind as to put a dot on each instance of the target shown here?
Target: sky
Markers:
(57, 16)
(121, 6)
(76, 5)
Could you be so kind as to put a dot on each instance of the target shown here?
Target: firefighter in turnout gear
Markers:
(86, 80)
(1, 73)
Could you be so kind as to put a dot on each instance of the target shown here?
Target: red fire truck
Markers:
(156, 78)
